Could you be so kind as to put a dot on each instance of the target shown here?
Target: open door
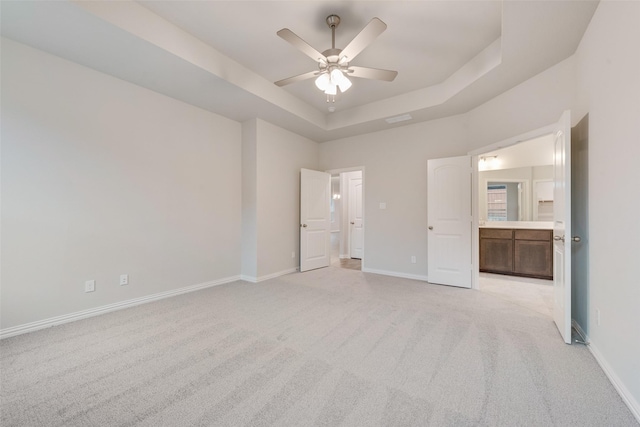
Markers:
(315, 219)
(562, 236)
(449, 221)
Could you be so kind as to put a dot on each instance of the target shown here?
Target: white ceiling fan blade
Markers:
(373, 29)
(372, 73)
(301, 45)
(297, 78)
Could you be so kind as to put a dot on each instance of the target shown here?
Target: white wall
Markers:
(608, 88)
(280, 155)
(101, 177)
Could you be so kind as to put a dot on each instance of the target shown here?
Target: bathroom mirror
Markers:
(518, 194)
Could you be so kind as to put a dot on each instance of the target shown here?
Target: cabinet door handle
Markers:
(431, 227)
(557, 238)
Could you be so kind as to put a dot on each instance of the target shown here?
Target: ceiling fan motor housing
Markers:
(333, 21)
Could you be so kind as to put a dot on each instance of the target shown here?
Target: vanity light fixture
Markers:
(488, 158)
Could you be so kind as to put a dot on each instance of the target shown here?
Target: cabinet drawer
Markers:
(495, 233)
(543, 235)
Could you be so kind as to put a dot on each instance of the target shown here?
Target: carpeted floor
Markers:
(326, 347)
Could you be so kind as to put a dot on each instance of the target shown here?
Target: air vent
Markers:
(397, 119)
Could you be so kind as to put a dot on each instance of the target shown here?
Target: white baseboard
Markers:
(254, 279)
(72, 317)
(622, 390)
(395, 274)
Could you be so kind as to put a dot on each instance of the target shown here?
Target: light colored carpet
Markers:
(326, 347)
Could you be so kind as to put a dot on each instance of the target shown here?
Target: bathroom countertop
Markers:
(529, 225)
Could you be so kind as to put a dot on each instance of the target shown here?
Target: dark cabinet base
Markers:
(517, 252)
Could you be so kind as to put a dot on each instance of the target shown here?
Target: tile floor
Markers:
(532, 294)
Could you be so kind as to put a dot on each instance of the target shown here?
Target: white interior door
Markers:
(315, 219)
(449, 221)
(356, 223)
(562, 227)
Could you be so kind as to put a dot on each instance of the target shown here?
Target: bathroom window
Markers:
(497, 202)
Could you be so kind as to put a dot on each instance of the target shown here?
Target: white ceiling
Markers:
(224, 56)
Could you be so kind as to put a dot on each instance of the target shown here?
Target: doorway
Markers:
(347, 218)
(506, 202)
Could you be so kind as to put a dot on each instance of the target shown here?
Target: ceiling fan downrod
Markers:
(333, 21)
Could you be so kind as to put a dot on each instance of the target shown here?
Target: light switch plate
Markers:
(90, 286)
(383, 205)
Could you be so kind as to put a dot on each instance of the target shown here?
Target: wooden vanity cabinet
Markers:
(519, 252)
(533, 253)
(496, 250)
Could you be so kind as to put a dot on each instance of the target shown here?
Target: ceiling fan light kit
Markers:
(333, 64)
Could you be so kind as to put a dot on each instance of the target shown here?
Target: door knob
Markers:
(303, 225)
(558, 238)
(352, 223)
(576, 239)
(431, 227)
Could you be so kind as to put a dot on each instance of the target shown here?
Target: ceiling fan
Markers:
(334, 64)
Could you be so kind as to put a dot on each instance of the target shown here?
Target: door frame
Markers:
(475, 208)
(344, 214)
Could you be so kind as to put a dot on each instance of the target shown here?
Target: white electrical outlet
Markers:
(413, 259)
(124, 279)
(598, 316)
(90, 286)
(383, 205)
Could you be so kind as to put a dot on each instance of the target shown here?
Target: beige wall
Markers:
(272, 159)
(100, 178)
(249, 199)
(281, 155)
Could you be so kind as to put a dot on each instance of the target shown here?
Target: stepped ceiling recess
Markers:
(224, 56)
